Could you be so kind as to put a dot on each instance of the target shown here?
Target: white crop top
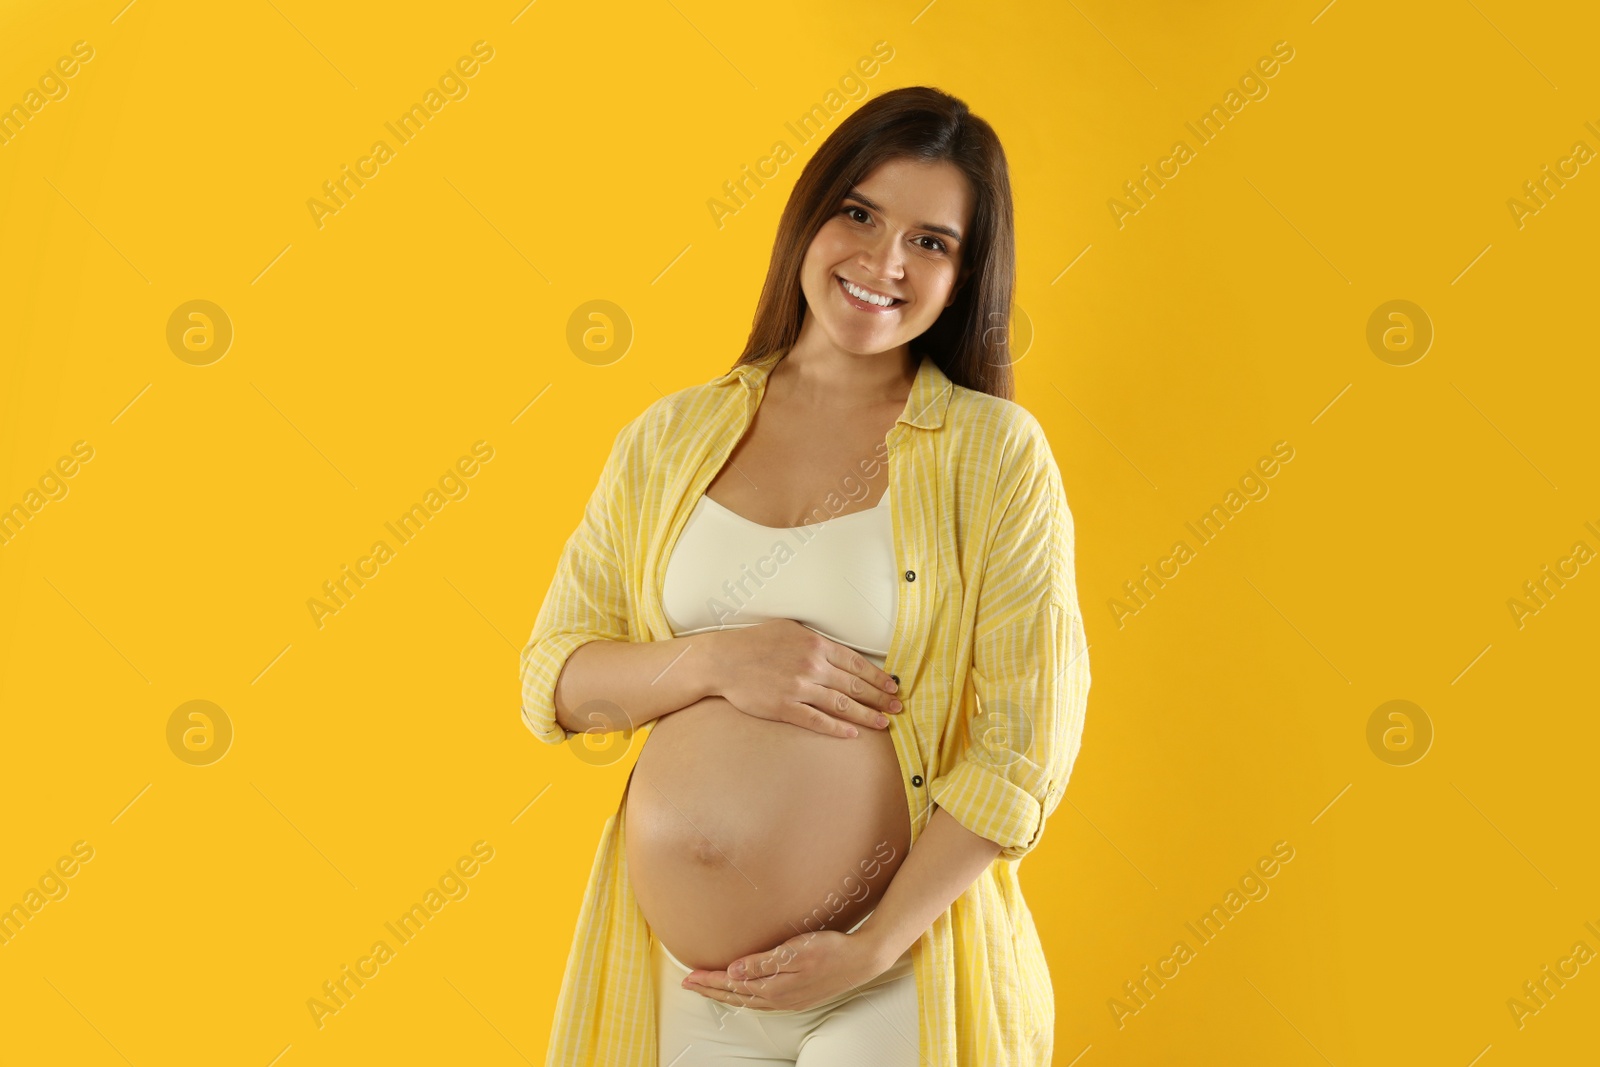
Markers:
(836, 576)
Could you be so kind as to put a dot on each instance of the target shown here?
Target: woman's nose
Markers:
(883, 259)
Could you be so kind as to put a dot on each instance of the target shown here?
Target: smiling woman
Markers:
(847, 715)
(882, 267)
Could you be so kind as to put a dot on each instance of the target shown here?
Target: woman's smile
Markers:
(855, 298)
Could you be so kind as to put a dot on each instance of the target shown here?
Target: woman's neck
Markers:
(816, 373)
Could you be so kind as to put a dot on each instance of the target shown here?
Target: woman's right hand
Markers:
(783, 671)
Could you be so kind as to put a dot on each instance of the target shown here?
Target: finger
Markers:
(840, 706)
(859, 690)
(849, 659)
(809, 718)
(722, 980)
(763, 964)
(738, 1000)
(719, 983)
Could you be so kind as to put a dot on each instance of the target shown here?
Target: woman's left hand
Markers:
(806, 970)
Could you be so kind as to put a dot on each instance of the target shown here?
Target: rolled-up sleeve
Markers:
(1028, 687)
(587, 600)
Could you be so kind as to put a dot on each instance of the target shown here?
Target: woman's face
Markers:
(897, 234)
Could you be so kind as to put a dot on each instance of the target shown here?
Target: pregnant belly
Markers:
(741, 833)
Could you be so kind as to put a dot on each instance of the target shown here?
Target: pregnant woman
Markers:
(834, 588)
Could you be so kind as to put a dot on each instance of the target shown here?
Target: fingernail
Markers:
(883, 720)
(895, 705)
(737, 970)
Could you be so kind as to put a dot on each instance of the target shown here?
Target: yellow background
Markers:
(431, 311)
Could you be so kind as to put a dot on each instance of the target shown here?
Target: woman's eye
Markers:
(850, 211)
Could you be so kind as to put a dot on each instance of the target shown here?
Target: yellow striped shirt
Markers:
(988, 646)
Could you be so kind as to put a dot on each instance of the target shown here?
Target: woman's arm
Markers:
(588, 605)
(619, 685)
(946, 859)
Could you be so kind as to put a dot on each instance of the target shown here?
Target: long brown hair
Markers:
(970, 339)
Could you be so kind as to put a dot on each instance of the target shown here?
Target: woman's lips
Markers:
(862, 305)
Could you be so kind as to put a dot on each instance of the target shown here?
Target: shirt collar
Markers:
(925, 407)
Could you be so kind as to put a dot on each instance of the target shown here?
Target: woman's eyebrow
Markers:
(948, 231)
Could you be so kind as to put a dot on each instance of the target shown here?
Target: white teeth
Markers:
(870, 298)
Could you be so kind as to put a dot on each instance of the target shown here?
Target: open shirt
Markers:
(989, 650)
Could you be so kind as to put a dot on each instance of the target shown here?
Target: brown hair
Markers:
(969, 340)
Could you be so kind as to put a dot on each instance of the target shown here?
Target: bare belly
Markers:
(741, 833)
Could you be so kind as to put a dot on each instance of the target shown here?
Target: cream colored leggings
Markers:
(874, 1025)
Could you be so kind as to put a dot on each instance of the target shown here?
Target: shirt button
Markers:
(916, 779)
(911, 576)
(896, 678)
